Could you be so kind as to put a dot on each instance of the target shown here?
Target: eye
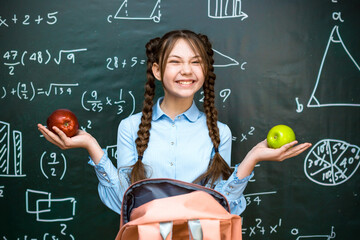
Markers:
(196, 61)
(173, 61)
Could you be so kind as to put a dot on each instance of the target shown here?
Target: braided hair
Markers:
(157, 51)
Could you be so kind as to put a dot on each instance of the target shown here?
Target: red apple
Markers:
(65, 120)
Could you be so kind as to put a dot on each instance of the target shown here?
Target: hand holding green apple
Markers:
(280, 135)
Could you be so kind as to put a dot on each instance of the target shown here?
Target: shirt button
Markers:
(231, 187)
(227, 193)
(104, 174)
(171, 163)
(172, 143)
(179, 117)
(173, 125)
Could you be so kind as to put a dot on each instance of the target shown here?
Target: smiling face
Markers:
(183, 74)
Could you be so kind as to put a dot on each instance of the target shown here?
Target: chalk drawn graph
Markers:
(220, 9)
(332, 82)
(331, 162)
(48, 209)
(15, 169)
(138, 10)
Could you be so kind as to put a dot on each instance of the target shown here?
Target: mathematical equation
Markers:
(260, 228)
(92, 102)
(13, 58)
(113, 63)
(26, 20)
(244, 136)
(28, 91)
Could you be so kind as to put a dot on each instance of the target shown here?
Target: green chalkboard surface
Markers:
(277, 62)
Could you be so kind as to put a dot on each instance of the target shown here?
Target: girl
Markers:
(173, 139)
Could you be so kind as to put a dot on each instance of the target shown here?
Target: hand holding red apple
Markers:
(65, 120)
(65, 125)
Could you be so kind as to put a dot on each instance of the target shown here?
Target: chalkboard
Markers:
(277, 62)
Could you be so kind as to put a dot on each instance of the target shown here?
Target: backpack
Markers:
(165, 209)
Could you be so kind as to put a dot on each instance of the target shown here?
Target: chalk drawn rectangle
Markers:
(4, 147)
(31, 197)
(55, 210)
(17, 140)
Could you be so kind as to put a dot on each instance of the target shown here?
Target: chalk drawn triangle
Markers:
(338, 80)
(223, 60)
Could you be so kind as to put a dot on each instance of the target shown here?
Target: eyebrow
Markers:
(196, 56)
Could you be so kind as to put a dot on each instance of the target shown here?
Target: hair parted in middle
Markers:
(157, 51)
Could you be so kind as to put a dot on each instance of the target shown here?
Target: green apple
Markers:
(280, 135)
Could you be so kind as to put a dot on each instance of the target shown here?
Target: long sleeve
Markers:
(233, 189)
(112, 183)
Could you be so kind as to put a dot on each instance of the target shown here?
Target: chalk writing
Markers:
(260, 228)
(116, 63)
(134, 10)
(335, 40)
(331, 162)
(2, 191)
(223, 60)
(244, 136)
(224, 94)
(26, 20)
(332, 235)
(28, 91)
(93, 103)
(8, 167)
(47, 236)
(255, 197)
(112, 153)
(48, 209)
(299, 106)
(53, 165)
(14, 58)
(220, 9)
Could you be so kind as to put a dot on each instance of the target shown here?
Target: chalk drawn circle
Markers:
(331, 162)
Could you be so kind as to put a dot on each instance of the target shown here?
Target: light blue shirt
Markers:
(179, 149)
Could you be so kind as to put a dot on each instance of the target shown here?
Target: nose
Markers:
(186, 69)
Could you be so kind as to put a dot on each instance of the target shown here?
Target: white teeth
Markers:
(185, 82)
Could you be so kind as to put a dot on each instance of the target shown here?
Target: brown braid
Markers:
(217, 167)
(138, 171)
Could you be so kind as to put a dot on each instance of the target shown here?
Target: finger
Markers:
(61, 134)
(297, 150)
(48, 137)
(289, 145)
(52, 137)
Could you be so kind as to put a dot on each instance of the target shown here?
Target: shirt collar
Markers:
(192, 114)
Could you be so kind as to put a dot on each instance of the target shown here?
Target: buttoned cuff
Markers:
(105, 171)
(233, 188)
